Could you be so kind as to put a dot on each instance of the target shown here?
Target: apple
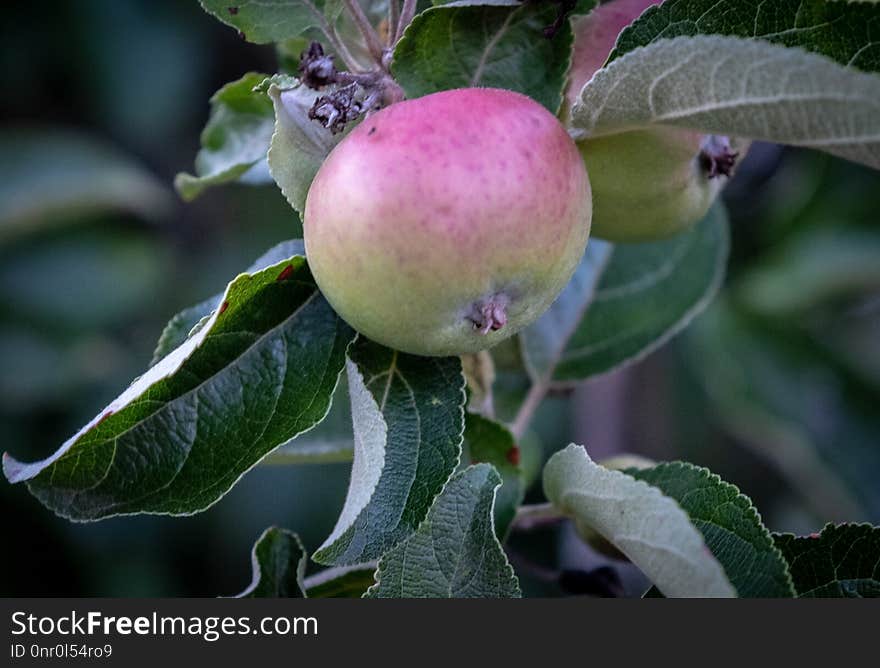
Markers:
(651, 183)
(444, 224)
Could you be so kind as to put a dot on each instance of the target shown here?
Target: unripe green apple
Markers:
(651, 183)
(444, 224)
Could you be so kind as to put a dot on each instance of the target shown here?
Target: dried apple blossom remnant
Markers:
(316, 68)
(716, 156)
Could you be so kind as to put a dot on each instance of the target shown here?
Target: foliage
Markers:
(254, 373)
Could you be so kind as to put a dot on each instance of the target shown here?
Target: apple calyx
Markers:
(490, 315)
(717, 158)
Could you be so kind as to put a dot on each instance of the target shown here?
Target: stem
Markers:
(332, 38)
(339, 46)
(543, 385)
(406, 17)
(529, 405)
(393, 20)
(332, 573)
(371, 37)
(534, 516)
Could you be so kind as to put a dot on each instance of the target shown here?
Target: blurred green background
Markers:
(776, 387)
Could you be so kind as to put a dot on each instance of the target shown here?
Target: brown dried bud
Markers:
(316, 69)
(333, 111)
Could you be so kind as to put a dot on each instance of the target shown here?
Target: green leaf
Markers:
(341, 582)
(492, 443)
(51, 176)
(647, 526)
(499, 45)
(843, 31)
(647, 294)
(713, 84)
(179, 327)
(841, 562)
(454, 553)
(299, 144)
(259, 371)
(289, 52)
(408, 415)
(512, 382)
(730, 524)
(183, 324)
(235, 140)
(279, 563)
(544, 343)
(262, 22)
(329, 441)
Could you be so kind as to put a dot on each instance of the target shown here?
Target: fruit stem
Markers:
(339, 46)
(371, 37)
(393, 20)
(330, 33)
(406, 16)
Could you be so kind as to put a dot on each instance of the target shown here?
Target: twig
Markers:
(371, 37)
(528, 407)
(406, 17)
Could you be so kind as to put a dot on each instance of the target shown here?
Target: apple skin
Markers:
(647, 184)
(435, 207)
(595, 36)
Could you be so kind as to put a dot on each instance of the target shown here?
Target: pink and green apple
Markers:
(445, 224)
(650, 183)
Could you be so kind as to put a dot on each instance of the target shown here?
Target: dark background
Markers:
(776, 388)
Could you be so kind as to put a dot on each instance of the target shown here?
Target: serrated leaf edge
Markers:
(572, 447)
(377, 576)
(750, 508)
(318, 558)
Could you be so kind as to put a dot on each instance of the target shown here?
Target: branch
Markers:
(371, 37)
(542, 385)
(527, 409)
